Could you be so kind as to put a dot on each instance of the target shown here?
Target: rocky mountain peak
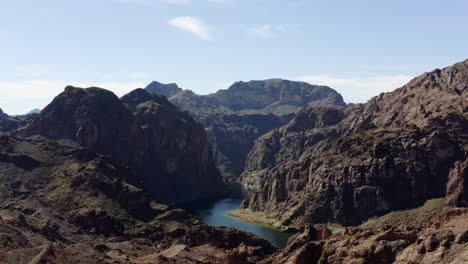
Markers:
(162, 145)
(167, 90)
(138, 96)
(349, 168)
(261, 94)
(424, 100)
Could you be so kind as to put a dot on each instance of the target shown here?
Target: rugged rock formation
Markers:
(345, 165)
(10, 123)
(457, 187)
(61, 203)
(441, 239)
(162, 145)
(7, 123)
(167, 90)
(232, 137)
(236, 117)
(275, 96)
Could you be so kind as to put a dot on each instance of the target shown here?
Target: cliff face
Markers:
(345, 165)
(236, 117)
(61, 203)
(167, 90)
(430, 234)
(274, 94)
(162, 145)
(232, 137)
(10, 123)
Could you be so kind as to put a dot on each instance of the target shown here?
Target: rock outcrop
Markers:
(345, 165)
(11, 123)
(457, 187)
(159, 143)
(167, 90)
(275, 96)
(435, 240)
(62, 203)
(8, 123)
(236, 117)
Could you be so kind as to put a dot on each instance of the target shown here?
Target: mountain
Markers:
(34, 111)
(167, 90)
(347, 164)
(10, 123)
(62, 203)
(275, 96)
(236, 117)
(163, 146)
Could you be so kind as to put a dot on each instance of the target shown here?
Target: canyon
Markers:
(95, 178)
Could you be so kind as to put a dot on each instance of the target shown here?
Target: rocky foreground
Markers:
(61, 203)
(430, 234)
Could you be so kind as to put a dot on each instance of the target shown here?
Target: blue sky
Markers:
(360, 48)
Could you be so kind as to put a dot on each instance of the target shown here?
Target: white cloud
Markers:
(19, 97)
(358, 89)
(192, 25)
(267, 30)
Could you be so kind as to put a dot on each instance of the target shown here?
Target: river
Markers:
(215, 214)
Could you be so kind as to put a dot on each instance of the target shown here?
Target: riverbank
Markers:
(217, 214)
(249, 216)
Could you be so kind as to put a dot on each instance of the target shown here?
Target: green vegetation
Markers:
(412, 217)
(250, 216)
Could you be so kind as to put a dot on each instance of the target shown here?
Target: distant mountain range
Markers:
(236, 117)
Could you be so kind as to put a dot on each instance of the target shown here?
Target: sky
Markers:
(360, 48)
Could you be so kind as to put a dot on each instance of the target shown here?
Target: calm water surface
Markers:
(215, 214)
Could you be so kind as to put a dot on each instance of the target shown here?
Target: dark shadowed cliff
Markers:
(62, 203)
(162, 145)
(234, 118)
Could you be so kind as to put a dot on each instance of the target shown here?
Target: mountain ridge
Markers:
(406, 140)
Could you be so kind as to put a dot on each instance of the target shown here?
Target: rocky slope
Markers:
(164, 146)
(345, 165)
(275, 96)
(10, 123)
(167, 90)
(61, 203)
(431, 234)
(236, 117)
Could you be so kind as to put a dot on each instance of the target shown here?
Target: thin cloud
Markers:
(359, 89)
(192, 25)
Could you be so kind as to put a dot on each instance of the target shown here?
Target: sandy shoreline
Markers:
(248, 216)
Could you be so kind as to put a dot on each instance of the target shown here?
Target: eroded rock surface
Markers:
(440, 239)
(61, 203)
(161, 144)
(234, 118)
(345, 165)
